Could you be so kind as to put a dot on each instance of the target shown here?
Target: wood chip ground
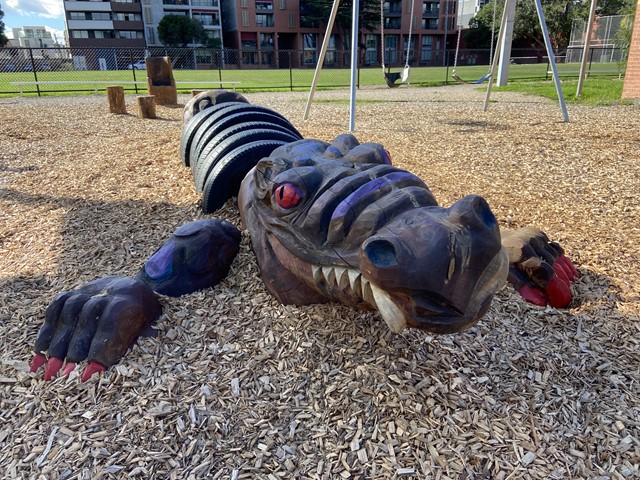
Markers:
(237, 386)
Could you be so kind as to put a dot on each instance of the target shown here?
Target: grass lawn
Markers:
(595, 91)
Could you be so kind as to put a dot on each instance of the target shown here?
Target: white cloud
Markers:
(42, 8)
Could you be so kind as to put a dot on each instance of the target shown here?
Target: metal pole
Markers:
(505, 48)
(354, 65)
(496, 55)
(323, 52)
(585, 50)
(552, 60)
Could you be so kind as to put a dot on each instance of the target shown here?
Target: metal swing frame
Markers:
(392, 77)
(489, 74)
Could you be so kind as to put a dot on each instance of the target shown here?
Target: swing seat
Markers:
(392, 77)
(482, 79)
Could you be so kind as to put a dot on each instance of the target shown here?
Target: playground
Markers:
(236, 385)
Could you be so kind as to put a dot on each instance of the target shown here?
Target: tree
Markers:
(3, 38)
(559, 16)
(180, 30)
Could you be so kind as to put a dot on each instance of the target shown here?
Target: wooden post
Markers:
(115, 95)
(146, 106)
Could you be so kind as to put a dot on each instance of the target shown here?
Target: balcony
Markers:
(205, 3)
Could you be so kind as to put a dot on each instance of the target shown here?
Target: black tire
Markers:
(226, 176)
(193, 125)
(204, 143)
(206, 164)
(238, 113)
(209, 98)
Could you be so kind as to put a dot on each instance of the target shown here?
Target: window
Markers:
(264, 6)
(390, 49)
(266, 41)
(245, 18)
(103, 34)
(208, 19)
(131, 34)
(291, 21)
(283, 4)
(244, 3)
(27, 43)
(310, 45)
(430, 24)
(131, 17)
(100, 16)
(264, 20)
(371, 49)
(77, 16)
(151, 35)
(79, 33)
(426, 50)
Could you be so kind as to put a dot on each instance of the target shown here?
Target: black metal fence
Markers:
(68, 70)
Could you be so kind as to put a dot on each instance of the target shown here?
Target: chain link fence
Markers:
(82, 70)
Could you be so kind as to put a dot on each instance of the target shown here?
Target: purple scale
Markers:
(160, 264)
(366, 189)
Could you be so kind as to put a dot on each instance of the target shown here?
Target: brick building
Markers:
(265, 32)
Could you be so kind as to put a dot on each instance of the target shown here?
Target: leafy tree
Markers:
(623, 35)
(559, 15)
(3, 38)
(180, 30)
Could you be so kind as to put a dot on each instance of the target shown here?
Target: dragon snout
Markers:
(440, 267)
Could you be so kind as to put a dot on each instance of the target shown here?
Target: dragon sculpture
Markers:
(329, 222)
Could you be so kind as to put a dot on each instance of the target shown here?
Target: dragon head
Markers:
(337, 222)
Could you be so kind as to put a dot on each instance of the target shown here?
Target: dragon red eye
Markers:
(287, 195)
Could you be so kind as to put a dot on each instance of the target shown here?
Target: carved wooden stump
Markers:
(115, 95)
(147, 106)
(160, 81)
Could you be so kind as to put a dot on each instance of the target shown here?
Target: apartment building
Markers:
(33, 37)
(104, 23)
(266, 32)
(206, 12)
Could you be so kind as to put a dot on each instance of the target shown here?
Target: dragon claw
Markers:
(91, 368)
(68, 368)
(38, 361)
(52, 368)
(533, 295)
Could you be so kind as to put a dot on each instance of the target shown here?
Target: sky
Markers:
(38, 13)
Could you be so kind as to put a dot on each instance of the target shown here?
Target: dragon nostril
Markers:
(483, 211)
(381, 253)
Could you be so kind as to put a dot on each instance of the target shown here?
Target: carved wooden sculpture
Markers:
(329, 222)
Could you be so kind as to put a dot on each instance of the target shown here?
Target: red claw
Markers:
(568, 265)
(38, 360)
(69, 367)
(561, 273)
(558, 293)
(533, 295)
(53, 367)
(92, 367)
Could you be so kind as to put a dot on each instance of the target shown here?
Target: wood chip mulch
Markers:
(237, 386)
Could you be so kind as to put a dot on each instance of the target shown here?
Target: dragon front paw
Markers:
(98, 322)
(538, 268)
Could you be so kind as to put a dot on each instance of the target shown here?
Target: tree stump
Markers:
(147, 106)
(115, 95)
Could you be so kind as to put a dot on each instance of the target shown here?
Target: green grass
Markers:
(600, 88)
(595, 92)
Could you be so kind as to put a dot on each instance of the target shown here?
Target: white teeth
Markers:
(355, 282)
(389, 311)
(329, 275)
(317, 273)
(345, 278)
